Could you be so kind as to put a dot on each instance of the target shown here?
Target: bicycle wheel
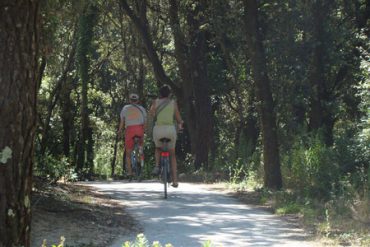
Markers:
(138, 165)
(133, 163)
(165, 175)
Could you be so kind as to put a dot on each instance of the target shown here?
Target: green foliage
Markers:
(54, 168)
(141, 241)
(105, 136)
(61, 243)
(249, 182)
(310, 167)
(291, 208)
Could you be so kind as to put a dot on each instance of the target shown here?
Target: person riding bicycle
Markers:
(133, 119)
(165, 111)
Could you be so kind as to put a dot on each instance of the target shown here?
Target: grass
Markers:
(339, 221)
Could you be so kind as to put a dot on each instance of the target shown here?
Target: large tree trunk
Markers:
(320, 115)
(199, 75)
(271, 159)
(192, 62)
(81, 157)
(84, 47)
(183, 60)
(19, 26)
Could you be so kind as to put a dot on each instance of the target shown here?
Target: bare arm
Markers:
(152, 109)
(121, 126)
(178, 116)
(151, 114)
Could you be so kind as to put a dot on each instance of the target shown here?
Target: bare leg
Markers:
(157, 156)
(173, 166)
(128, 161)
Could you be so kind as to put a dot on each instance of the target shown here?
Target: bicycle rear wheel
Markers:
(138, 165)
(165, 175)
(133, 163)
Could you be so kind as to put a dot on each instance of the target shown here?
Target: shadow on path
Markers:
(192, 215)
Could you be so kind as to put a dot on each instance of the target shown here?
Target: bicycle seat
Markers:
(164, 140)
(136, 138)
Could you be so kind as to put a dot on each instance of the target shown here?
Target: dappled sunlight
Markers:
(192, 215)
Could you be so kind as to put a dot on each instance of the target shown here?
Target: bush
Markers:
(310, 167)
(54, 168)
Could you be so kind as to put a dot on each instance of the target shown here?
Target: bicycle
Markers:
(136, 156)
(165, 166)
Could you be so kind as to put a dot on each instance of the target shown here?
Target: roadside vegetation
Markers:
(275, 96)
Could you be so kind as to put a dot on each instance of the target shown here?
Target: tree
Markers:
(19, 29)
(272, 178)
(84, 49)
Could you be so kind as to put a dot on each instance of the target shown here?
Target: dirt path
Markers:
(193, 214)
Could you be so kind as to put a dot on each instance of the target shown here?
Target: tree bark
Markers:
(320, 115)
(86, 29)
(67, 115)
(183, 60)
(199, 74)
(272, 178)
(114, 158)
(192, 62)
(19, 28)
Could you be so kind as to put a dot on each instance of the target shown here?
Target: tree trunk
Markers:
(90, 152)
(193, 71)
(85, 31)
(19, 27)
(320, 115)
(251, 130)
(81, 157)
(142, 26)
(54, 97)
(271, 159)
(182, 57)
(114, 158)
(67, 116)
(203, 108)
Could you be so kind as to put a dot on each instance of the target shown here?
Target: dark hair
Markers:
(164, 91)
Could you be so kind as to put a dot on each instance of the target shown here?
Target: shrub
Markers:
(54, 168)
(310, 167)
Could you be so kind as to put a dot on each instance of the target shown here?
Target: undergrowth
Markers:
(140, 241)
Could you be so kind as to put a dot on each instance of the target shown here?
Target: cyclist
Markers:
(133, 119)
(164, 112)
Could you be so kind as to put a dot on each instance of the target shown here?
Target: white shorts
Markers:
(164, 131)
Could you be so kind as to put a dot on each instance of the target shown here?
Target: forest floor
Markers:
(79, 214)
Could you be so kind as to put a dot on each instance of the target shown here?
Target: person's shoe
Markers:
(175, 185)
(155, 171)
(130, 177)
